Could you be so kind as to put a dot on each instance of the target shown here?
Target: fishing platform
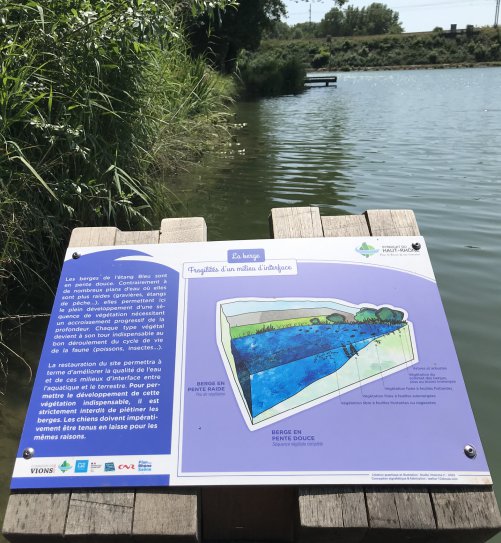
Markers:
(327, 79)
(272, 513)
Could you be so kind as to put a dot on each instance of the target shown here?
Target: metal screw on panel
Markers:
(416, 246)
(470, 451)
(28, 453)
(75, 255)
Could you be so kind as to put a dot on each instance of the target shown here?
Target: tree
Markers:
(375, 19)
(336, 318)
(380, 19)
(332, 23)
(366, 315)
(234, 29)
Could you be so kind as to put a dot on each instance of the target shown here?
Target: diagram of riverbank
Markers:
(283, 356)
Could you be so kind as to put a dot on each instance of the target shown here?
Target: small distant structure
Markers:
(454, 31)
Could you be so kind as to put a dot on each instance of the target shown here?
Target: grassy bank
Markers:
(99, 107)
(399, 50)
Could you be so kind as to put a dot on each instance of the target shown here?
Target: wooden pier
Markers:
(274, 514)
(320, 79)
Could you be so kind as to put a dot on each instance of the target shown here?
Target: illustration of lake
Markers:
(284, 356)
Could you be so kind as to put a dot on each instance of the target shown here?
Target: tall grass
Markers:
(100, 105)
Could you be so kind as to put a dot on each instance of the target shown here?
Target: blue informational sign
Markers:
(319, 361)
(105, 383)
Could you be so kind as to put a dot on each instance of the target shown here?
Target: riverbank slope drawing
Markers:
(283, 356)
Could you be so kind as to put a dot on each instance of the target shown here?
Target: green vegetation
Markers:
(383, 314)
(374, 19)
(365, 315)
(398, 50)
(270, 74)
(336, 318)
(259, 328)
(100, 103)
(235, 30)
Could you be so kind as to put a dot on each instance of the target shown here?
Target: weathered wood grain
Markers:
(382, 509)
(183, 230)
(137, 238)
(392, 222)
(295, 222)
(328, 513)
(251, 513)
(414, 509)
(92, 514)
(171, 513)
(345, 226)
(93, 237)
(29, 516)
(466, 513)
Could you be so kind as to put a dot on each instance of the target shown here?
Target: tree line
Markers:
(375, 19)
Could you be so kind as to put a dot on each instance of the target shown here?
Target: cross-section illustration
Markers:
(284, 356)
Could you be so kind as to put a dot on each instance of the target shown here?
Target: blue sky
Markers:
(416, 15)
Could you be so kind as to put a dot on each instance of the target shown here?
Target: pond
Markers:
(423, 140)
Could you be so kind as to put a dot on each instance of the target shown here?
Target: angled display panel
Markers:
(303, 361)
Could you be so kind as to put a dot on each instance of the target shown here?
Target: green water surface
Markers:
(423, 140)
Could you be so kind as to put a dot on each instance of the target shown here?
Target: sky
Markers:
(415, 15)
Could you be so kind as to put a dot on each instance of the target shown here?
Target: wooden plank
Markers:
(408, 510)
(16, 523)
(392, 222)
(381, 508)
(305, 222)
(92, 514)
(183, 230)
(345, 226)
(400, 513)
(30, 515)
(171, 513)
(296, 222)
(137, 238)
(93, 237)
(327, 513)
(251, 513)
(415, 512)
(466, 513)
(471, 515)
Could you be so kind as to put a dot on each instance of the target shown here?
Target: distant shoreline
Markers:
(492, 64)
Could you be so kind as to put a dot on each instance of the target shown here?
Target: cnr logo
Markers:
(126, 466)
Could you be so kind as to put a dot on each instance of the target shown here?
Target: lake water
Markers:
(423, 140)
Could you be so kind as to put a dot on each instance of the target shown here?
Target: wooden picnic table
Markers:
(257, 513)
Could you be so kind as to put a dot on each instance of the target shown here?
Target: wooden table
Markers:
(280, 513)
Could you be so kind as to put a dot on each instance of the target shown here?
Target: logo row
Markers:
(86, 466)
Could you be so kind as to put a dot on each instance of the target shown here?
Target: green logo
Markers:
(367, 250)
(65, 466)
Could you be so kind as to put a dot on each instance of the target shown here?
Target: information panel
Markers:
(304, 361)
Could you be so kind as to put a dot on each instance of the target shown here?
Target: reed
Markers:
(100, 105)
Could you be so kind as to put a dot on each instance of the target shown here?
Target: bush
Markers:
(336, 318)
(321, 60)
(270, 74)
